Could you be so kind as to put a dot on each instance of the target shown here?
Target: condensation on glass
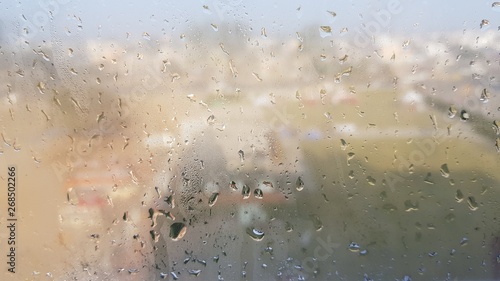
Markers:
(232, 140)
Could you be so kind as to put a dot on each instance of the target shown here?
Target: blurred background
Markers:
(227, 140)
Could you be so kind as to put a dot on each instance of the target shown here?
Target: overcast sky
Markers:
(116, 18)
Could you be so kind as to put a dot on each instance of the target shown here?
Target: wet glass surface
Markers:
(226, 140)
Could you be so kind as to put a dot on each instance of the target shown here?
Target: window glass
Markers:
(250, 140)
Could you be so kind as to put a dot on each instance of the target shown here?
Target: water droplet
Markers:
(428, 178)
(153, 215)
(325, 31)
(343, 59)
(452, 111)
(297, 95)
(332, 13)
(242, 155)
(449, 217)
(233, 185)
(213, 199)
(288, 227)
(483, 23)
(154, 235)
(146, 36)
(347, 71)
(444, 170)
(432, 254)
(257, 76)
(170, 201)
(338, 78)
(211, 119)
(194, 272)
(350, 155)
(343, 144)
(485, 96)
(496, 127)
(497, 144)
(70, 52)
(263, 32)
(214, 27)
(299, 184)
(191, 97)
(268, 184)
(495, 4)
(410, 206)
(318, 225)
(72, 196)
(233, 69)
(354, 247)
(133, 271)
(459, 196)
(464, 241)
(245, 191)
(41, 87)
(44, 55)
(371, 180)
(177, 231)
(255, 234)
(464, 115)
(389, 207)
(322, 94)
(434, 122)
(221, 45)
(258, 193)
(471, 201)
